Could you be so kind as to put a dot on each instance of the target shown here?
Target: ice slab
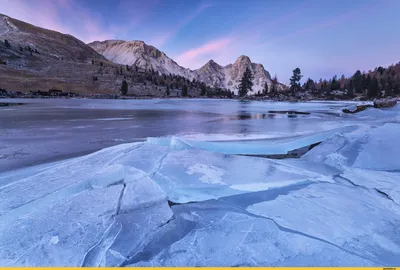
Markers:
(196, 175)
(251, 148)
(385, 183)
(45, 185)
(90, 211)
(375, 148)
(221, 235)
(60, 233)
(346, 216)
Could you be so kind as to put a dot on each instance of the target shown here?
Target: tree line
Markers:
(382, 82)
(135, 75)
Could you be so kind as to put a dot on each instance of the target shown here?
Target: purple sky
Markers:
(323, 38)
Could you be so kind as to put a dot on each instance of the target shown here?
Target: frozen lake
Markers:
(176, 183)
(46, 130)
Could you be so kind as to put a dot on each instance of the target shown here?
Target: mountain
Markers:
(33, 58)
(229, 76)
(138, 53)
(48, 43)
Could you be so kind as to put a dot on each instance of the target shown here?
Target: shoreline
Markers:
(114, 97)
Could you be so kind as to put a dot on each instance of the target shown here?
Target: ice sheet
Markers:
(253, 148)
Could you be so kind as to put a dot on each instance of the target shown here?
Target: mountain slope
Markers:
(48, 43)
(33, 58)
(138, 53)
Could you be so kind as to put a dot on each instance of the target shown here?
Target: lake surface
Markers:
(45, 130)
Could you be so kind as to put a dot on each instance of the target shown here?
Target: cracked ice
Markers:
(338, 205)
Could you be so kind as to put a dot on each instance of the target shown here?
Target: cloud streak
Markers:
(161, 39)
(192, 57)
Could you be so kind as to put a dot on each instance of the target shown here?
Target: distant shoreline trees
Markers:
(381, 82)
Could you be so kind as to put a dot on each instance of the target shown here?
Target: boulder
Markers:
(356, 109)
(385, 103)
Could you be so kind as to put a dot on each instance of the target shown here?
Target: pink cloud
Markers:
(191, 58)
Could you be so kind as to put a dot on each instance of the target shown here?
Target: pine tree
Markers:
(367, 81)
(184, 91)
(295, 80)
(168, 92)
(350, 88)
(274, 82)
(335, 85)
(358, 82)
(124, 88)
(203, 90)
(373, 88)
(245, 84)
(265, 90)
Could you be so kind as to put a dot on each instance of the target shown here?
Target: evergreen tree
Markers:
(295, 80)
(265, 90)
(367, 81)
(373, 88)
(389, 88)
(184, 91)
(350, 88)
(335, 85)
(203, 90)
(309, 85)
(274, 82)
(168, 92)
(358, 82)
(245, 84)
(124, 88)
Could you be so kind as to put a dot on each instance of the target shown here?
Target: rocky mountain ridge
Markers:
(138, 53)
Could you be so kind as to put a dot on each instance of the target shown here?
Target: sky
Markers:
(321, 37)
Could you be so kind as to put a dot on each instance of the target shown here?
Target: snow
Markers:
(210, 173)
(178, 202)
